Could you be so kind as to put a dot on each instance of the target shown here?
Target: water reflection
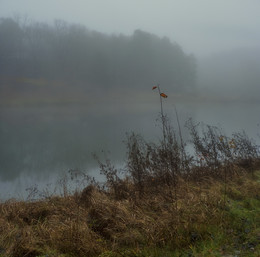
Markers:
(38, 144)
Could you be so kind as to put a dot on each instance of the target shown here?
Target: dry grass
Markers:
(166, 199)
(94, 221)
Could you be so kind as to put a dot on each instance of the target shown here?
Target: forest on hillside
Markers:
(85, 58)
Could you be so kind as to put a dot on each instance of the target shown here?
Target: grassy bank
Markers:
(165, 202)
(210, 219)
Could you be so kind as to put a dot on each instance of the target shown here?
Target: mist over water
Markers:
(67, 92)
(40, 145)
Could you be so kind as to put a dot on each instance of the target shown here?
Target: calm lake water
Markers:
(39, 144)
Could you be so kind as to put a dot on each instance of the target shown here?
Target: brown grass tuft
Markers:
(88, 223)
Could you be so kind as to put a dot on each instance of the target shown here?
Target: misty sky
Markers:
(200, 27)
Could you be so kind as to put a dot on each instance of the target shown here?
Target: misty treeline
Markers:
(71, 52)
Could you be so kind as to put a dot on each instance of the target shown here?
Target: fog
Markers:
(75, 78)
(200, 27)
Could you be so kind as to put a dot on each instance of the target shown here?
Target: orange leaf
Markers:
(163, 95)
(154, 87)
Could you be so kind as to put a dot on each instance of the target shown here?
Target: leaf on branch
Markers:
(163, 95)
